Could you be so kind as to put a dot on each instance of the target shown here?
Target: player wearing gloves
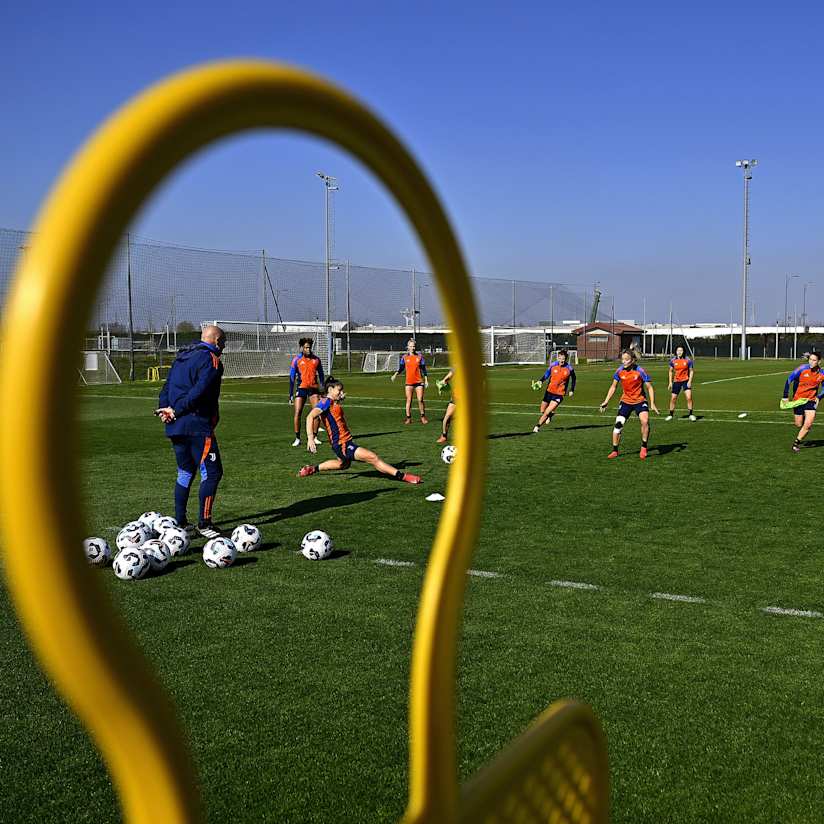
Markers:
(559, 375)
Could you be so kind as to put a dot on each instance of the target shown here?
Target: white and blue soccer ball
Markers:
(164, 522)
(131, 564)
(158, 554)
(316, 545)
(97, 551)
(148, 519)
(133, 535)
(177, 539)
(246, 537)
(448, 454)
(219, 553)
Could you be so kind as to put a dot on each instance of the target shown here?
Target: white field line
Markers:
(745, 377)
(391, 562)
(482, 573)
(355, 404)
(797, 613)
(574, 585)
(684, 599)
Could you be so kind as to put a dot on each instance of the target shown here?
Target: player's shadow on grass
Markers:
(585, 426)
(498, 435)
(812, 444)
(337, 554)
(242, 560)
(375, 434)
(666, 448)
(309, 506)
(373, 473)
(173, 567)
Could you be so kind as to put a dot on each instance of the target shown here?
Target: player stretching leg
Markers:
(416, 379)
(559, 373)
(681, 370)
(305, 375)
(635, 383)
(189, 406)
(450, 407)
(805, 382)
(329, 410)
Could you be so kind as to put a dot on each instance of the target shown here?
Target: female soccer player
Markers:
(558, 374)
(305, 376)
(805, 381)
(329, 410)
(635, 382)
(681, 370)
(450, 407)
(416, 379)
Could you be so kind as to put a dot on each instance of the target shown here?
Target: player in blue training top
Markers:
(559, 374)
(681, 371)
(305, 378)
(189, 408)
(806, 384)
(635, 383)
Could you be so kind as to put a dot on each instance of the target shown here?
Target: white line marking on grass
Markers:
(797, 613)
(684, 599)
(573, 585)
(391, 562)
(743, 377)
(482, 573)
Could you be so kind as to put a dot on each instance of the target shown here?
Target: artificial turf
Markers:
(291, 677)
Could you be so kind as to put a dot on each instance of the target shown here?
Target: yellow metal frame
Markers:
(80, 641)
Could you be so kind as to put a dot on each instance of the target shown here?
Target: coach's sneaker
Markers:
(643, 453)
(296, 442)
(442, 439)
(409, 478)
(189, 529)
(668, 418)
(209, 531)
(305, 471)
(613, 454)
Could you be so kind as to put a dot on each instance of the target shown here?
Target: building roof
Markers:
(617, 328)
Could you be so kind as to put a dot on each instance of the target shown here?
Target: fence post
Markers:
(492, 345)
(129, 294)
(348, 324)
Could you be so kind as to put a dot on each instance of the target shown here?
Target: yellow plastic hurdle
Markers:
(555, 772)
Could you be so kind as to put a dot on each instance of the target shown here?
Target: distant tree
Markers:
(185, 326)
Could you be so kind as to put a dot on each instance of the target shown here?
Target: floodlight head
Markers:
(737, 163)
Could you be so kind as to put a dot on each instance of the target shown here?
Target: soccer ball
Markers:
(219, 553)
(133, 535)
(164, 522)
(316, 545)
(131, 564)
(177, 539)
(246, 537)
(448, 454)
(97, 551)
(158, 554)
(148, 519)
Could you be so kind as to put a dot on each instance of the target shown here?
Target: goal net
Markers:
(381, 361)
(258, 350)
(513, 346)
(572, 356)
(97, 369)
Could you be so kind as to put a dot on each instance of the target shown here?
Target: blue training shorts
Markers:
(549, 397)
(678, 386)
(305, 393)
(807, 407)
(626, 409)
(346, 452)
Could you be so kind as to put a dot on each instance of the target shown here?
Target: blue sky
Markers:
(569, 142)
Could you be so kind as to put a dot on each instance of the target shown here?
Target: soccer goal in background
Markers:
(513, 346)
(572, 356)
(262, 350)
(381, 361)
(96, 369)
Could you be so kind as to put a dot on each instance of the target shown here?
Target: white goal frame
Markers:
(93, 372)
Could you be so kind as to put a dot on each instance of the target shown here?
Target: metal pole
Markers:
(348, 324)
(795, 331)
(644, 328)
(129, 294)
(414, 308)
(328, 261)
(746, 165)
(730, 332)
(513, 307)
(552, 317)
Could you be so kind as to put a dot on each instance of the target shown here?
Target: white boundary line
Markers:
(682, 599)
(797, 613)
(391, 562)
(482, 573)
(745, 377)
(574, 585)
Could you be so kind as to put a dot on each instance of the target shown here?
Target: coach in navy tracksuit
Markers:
(189, 408)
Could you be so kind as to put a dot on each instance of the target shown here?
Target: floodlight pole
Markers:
(787, 280)
(330, 184)
(804, 307)
(746, 166)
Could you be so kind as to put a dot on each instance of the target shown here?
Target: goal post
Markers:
(264, 350)
(97, 369)
(381, 361)
(502, 345)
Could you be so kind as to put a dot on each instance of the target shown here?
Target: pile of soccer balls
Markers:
(149, 543)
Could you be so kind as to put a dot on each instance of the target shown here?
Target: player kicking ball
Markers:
(450, 407)
(559, 375)
(681, 371)
(635, 383)
(329, 411)
(805, 382)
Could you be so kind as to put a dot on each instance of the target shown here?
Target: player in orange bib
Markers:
(806, 381)
(305, 376)
(558, 375)
(635, 383)
(681, 370)
(414, 366)
(329, 411)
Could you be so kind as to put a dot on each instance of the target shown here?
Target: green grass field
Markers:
(291, 677)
